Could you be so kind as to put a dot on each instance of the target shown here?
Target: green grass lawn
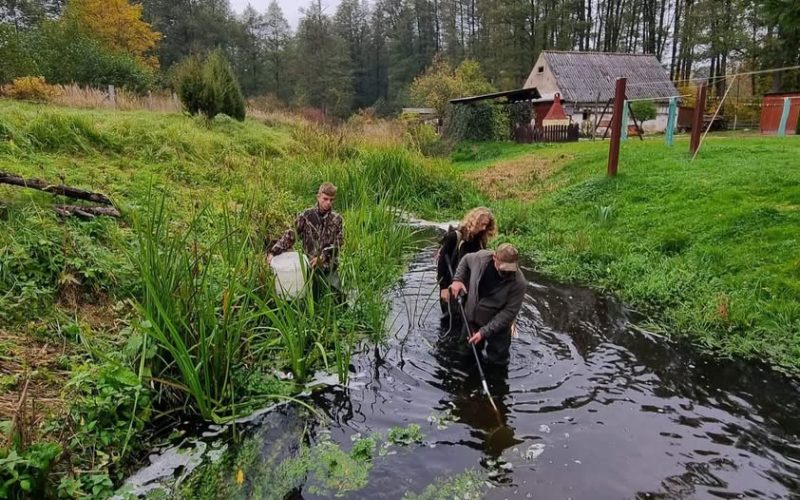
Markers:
(705, 249)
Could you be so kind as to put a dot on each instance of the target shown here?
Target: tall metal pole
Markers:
(616, 126)
(697, 123)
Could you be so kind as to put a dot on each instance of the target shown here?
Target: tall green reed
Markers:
(211, 307)
(305, 325)
(196, 303)
(372, 259)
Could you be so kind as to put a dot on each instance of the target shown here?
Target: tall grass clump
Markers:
(210, 307)
(372, 259)
(67, 133)
(196, 305)
(305, 326)
(405, 179)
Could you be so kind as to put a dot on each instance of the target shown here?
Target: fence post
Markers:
(787, 104)
(626, 114)
(616, 121)
(671, 117)
(697, 123)
(112, 96)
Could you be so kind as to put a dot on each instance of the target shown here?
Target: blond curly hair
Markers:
(469, 226)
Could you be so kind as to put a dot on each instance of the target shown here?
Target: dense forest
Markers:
(366, 53)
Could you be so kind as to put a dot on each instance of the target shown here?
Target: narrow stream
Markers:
(593, 407)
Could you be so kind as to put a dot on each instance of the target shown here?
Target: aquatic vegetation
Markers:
(322, 468)
(405, 436)
(443, 418)
(363, 447)
(466, 486)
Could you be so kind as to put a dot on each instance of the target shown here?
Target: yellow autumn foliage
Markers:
(117, 25)
(31, 88)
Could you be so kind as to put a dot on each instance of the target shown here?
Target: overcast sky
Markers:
(291, 8)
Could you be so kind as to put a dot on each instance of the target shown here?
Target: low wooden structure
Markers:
(527, 134)
(772, 112)
(547, 121)
(686, 118)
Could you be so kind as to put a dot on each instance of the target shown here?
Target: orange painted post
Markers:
(616, 126)
(699, 112)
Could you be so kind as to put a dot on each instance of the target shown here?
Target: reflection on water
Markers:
(590, 407)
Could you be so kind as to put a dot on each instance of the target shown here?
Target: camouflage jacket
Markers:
(321, 235)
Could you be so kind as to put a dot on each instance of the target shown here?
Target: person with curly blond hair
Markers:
(473, 234)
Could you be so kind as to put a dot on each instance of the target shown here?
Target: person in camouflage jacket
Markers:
(320, 231)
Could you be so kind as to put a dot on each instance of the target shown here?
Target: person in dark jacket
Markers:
(474, 233)
(495, 289)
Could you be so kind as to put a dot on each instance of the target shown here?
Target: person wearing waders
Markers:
(320, 231)
(475, 231)
(495, 288)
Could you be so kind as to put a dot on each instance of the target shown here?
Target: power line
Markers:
(657, 98)
(732, 75)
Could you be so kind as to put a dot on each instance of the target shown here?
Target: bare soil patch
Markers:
(522, 178)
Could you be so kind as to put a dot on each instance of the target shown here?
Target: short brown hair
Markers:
(508, 257)
(327, 188)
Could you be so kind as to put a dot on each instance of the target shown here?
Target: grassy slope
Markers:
(705, 248)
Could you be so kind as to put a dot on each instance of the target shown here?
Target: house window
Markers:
(540, 69)
(585, 114)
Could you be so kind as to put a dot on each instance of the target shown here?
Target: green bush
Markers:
(520, 113)
(644, 110)
(23, 474)
(109, 406)
(61, 54)
(15, 61)
(478, 122)
(209, 87)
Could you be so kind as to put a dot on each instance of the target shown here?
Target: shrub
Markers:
(23, 473)
(479, 122)
(644, 110)
(109, 405)
(31, 88)
(422, 137)
(520, 112)
(62, 54)
(188, 83)
(16, 58)
(209, 87)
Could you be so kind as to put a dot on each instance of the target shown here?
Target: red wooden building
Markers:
(772, 110)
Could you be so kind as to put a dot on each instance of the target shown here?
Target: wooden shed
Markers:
(772, 110)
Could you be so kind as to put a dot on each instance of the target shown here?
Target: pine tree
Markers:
(276, 40)
(324, 74)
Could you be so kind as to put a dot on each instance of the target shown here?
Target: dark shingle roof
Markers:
(581, 76)
(510, 95)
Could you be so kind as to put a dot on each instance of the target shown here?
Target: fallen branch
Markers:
(18, 426)
(85, 213)
(59, 189)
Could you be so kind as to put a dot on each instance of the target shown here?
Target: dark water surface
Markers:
(593, 407)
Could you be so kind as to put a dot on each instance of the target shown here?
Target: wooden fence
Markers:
(526, 133)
